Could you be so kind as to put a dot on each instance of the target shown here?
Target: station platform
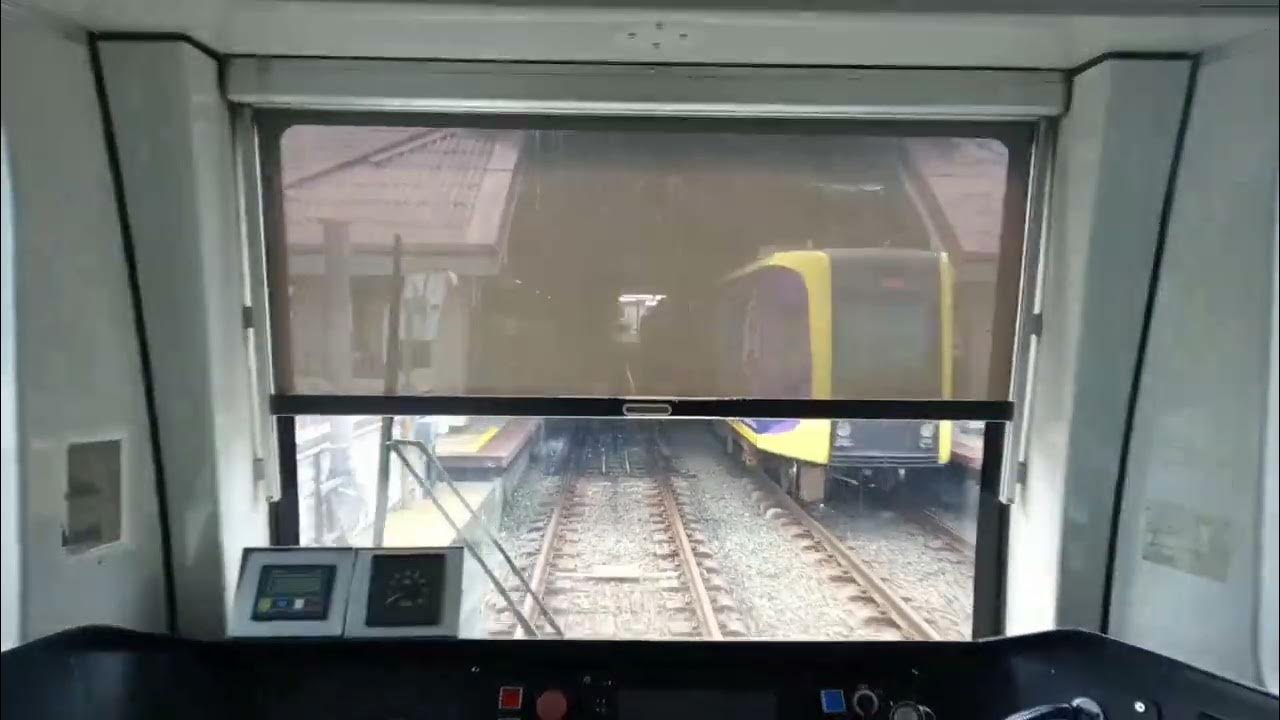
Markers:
(966, 450)
(485, 460)
(490, 443)
(420, 524)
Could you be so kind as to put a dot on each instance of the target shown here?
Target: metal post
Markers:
(318, 480)
(1027, 323)
(391, 385)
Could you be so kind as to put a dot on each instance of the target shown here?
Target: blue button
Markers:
(833, 702)
(281, 604)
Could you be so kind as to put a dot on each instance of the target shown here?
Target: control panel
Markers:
(109, 672)
(348, 592)
(619, 697)
(405, 592)
(292, 592)
(607, 699)
(867, 702)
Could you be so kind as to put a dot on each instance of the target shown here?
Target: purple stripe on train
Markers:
(763, 426)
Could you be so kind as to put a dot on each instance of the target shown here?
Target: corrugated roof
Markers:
(310, 149)
(447, 190)
(440, 189)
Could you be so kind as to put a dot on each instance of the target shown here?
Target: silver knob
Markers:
(865, 702)
(907, 710)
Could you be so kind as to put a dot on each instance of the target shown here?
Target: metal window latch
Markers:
(246, 317)
(1035, 324)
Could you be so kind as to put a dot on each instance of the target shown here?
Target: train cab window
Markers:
(660, 529)
(826, 308)
(644, 257)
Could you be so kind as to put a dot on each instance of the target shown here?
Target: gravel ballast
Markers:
(780, 591)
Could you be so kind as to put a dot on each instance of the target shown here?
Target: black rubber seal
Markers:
(140, 328)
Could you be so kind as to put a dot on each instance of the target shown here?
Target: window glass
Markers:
(676, 260)
(887, 331)
(652, 529)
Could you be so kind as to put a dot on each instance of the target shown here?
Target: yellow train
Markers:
(845, 324)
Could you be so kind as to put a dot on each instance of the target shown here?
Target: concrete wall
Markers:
(1187, 571)
(174, 134)
(1114, 153)
(78, 373)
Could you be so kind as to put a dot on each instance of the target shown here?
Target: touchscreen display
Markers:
(293, 592)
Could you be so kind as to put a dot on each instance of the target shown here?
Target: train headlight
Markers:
(844, 433)
(927, 432)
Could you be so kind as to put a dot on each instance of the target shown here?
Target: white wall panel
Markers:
(1187, 570)
(10, 494)
(953, 35)
(78, 368)
(1115, 148)
(174, 134)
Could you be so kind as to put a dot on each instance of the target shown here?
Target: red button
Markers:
(510, 697)
(552, 705)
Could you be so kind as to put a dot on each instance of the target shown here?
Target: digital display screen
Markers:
(405, 590)
(697, 705)
(311, 583)
(293, 592)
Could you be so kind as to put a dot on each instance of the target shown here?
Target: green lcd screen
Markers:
(293, 592)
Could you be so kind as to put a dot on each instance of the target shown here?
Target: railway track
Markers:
(620, 556)
(882, 611)
(644, 582)
(933, 523)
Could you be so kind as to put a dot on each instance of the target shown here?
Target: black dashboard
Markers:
(106, 673)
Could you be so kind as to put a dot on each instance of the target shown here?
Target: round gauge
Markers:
(405, 590)
(407, 587)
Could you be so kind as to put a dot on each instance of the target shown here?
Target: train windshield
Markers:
(887, 345)
(657, 529)
(438, 271)
(573, 258)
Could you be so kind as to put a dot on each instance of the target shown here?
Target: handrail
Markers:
(396, 445)
(467, 544)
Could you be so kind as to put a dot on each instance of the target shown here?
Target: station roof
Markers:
(445, 191)
(451, 193)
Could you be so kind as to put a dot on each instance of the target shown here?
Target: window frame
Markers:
(1028, 140)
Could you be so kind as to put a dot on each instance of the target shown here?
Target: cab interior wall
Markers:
(1115, 149)
(1195, 501)
(77, 349)
(171, 122)
(77, 365)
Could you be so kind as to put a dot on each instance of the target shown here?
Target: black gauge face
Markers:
(405, 590)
